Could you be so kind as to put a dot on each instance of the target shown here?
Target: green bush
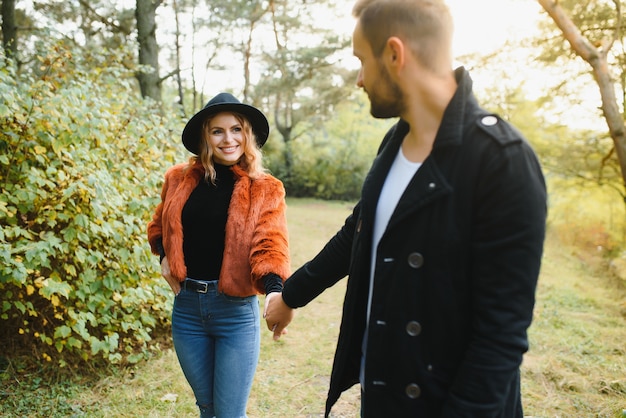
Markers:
(81, 159)
(331, 159)
(333, 173)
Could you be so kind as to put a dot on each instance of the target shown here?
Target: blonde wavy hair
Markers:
(251, 160)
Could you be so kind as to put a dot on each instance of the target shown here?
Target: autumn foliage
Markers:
(80, 161)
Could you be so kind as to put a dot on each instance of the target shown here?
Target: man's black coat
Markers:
(455, 276)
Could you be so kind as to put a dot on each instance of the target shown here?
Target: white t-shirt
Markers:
(400, 174)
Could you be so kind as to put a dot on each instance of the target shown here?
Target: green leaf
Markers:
(52, 286)
(20, 306)
(62, 332)
(74, 343)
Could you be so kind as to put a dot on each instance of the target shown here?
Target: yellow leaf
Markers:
(21, 331)
(39, 149)
(54, 299)
(30, 290)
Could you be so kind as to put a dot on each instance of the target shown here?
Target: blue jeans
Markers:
(217, 341)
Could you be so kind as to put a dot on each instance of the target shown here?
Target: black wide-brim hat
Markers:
(224, 102)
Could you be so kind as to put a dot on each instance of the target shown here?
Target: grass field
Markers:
(576, 366)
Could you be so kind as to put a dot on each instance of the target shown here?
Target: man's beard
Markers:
(389, 104)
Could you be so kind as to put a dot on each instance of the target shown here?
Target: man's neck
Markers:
(424, 112)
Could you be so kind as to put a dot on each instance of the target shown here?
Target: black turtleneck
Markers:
(204, 224)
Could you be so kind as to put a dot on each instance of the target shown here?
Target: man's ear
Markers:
(395, 53)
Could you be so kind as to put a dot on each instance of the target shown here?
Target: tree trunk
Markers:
(179, 81)
(247, 54)
(255, 16)
(194, 89)
(284, 126)
(597, 59)
(9, 29)
(283, 109)
(149, 81)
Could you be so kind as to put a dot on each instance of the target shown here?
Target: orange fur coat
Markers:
(256, 241)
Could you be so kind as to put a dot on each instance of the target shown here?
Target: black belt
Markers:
(198, 286)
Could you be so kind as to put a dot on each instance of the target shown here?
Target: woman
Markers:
(221, 233)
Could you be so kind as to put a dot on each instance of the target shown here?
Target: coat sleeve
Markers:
(329, 266)
(270, 240)
(506, 250)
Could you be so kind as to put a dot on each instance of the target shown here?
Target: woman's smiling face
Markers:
(226, 138)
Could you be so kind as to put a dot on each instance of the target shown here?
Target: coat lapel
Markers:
(428, 185)
(172, 217)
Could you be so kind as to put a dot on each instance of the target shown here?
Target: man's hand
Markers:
(277, 314)
(172, 281)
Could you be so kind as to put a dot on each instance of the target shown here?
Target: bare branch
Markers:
(102, 19)
(579, 43)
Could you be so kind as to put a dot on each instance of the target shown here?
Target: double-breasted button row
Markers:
(415, 260)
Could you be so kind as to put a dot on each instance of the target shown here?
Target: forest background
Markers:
(94, 95)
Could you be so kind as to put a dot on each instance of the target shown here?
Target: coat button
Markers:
(416, 260)
(413, 391)
(413, 328)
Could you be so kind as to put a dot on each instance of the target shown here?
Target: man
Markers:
(443, 250)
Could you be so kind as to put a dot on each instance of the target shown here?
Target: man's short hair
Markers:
(425, 26)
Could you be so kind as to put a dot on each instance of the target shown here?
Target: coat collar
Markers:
(454, 117)
(429, 182)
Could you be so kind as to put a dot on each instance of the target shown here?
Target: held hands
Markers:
(172, 281)
(277, 314)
